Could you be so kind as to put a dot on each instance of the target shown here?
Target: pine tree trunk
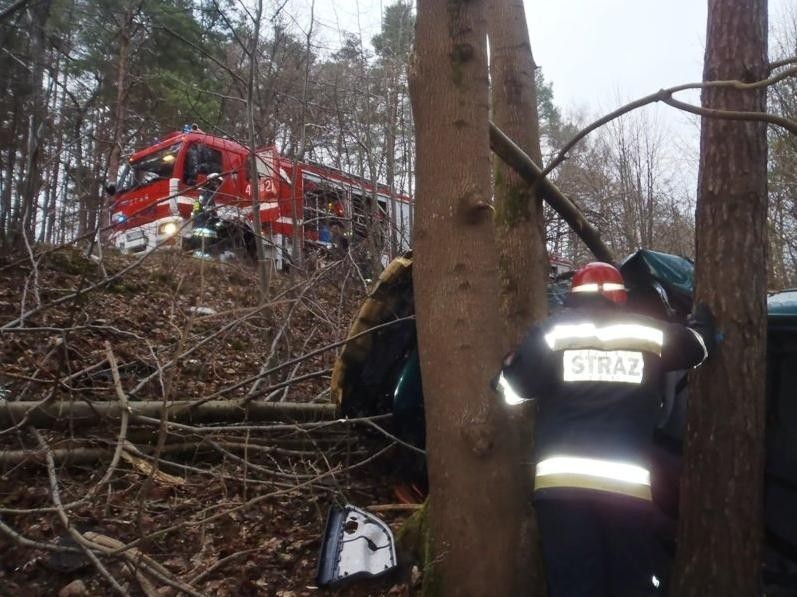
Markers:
(475, 495)
(720, 528)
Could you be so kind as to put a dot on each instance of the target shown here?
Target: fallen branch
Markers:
(124, 411)
(393, 507)
(310, 354)
(54, 414)
(25, 542)
(94, 543)
(83, 543)
(139, 560)
(532, 174)
(251, 502)
(208, 571)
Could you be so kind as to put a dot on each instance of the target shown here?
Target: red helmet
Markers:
(600, 277)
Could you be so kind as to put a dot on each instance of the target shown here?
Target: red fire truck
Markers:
(164, 187)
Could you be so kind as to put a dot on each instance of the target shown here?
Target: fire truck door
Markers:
(234, 186)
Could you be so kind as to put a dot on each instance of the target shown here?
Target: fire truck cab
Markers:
(162, 190)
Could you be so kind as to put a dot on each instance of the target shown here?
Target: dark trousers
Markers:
(601, 547)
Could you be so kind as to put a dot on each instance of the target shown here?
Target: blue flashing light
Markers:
(119, 218)
(186, 128)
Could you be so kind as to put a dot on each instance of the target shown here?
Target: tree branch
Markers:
(521, 163)
(663, 95)
(789, 125)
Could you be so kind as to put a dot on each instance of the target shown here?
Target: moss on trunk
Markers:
(415, 544)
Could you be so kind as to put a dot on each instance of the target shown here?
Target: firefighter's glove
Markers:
(702, 321)
(500, 384)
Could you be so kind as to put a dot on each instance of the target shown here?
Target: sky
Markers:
(598, 54)
(595, 52)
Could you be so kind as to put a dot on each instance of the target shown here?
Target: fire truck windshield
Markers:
(155, 166)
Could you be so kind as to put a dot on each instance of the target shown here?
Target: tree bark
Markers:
(297, 244)
(475, 499)
(391, 126)
(6, 210)
(38, 16)
(523, 258)
(519, 226)
(120, 106)
(720, 528)
(264, 267)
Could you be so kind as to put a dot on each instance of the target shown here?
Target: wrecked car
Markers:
(379, 373)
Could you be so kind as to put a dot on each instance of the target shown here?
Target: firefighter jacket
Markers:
(597, 374)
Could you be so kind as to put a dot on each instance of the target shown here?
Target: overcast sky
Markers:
(594, 51)
(598, 54)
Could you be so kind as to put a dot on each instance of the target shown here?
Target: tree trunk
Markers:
(6, 212)
(519, 228)
(518, 212)
(120, 106)
(391, 125)
(79, 170)
(264, 267)
(38, 15)
(720, 527)
(297, 245)
(51, 181)
(476, 501)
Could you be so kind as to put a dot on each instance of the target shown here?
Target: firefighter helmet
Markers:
(600, 277)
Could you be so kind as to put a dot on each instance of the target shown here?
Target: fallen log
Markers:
(148, 436)
(75, 455)
(59, 413)
(81, 454)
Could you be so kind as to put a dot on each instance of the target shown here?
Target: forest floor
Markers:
(233, 508)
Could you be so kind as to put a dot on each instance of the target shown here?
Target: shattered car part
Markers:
(356, 545)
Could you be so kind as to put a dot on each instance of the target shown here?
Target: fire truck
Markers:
(192, 184)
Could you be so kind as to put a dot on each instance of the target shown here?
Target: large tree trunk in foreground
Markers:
(475, 494)
(519, 229)
(721, 493)
(519, 225)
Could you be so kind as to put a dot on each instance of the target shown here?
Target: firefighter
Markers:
(205, 223)
(596, 373)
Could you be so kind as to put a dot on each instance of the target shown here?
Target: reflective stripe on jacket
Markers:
(596, 372)
(591, 473)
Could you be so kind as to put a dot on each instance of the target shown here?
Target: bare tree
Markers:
(37, 16)
(298, 236)
(264, 267)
